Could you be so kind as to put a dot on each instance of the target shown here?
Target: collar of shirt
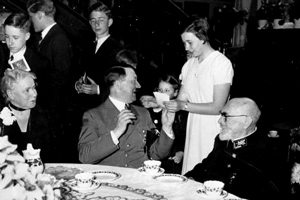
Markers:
(120, 105)
(18, 55)
(46, 30)
(100, 42)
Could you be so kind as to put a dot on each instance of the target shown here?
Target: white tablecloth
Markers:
(136, 185)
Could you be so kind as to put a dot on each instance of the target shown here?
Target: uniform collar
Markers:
(242, 142)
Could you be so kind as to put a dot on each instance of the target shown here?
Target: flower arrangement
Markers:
(295, 141)
(7, 116)
(296, 174)
(17, 182)
(271, 10)
(295, 156)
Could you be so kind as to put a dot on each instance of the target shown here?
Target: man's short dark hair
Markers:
(115, 73)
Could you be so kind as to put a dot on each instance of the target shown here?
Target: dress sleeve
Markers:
(222, 70)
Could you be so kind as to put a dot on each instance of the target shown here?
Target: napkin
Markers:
(161, 97)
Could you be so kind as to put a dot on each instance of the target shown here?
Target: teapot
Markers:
(32, 158)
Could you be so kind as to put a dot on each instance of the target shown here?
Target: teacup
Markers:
(273, 133)
(84, 179)
(213, 188)
(152, 166)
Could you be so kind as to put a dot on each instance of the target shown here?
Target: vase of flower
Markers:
(262, 23)
(297, 23)
(32, 158)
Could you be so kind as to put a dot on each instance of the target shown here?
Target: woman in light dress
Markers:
(206, 79)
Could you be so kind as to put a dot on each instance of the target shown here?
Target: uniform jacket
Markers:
(249, 167)
(97, 147)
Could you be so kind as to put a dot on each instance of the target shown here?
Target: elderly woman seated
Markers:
(32, 123)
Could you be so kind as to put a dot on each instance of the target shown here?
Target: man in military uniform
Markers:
(242, 157)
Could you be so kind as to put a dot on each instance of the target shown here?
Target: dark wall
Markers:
(268, 71)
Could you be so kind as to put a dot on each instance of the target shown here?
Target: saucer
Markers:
(74, 186)
(171, 178)
(160, 171)
(273, 136)
(203, 195)
(106, 175)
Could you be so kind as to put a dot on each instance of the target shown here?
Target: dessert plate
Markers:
(61, 172)
(203, 195)
(74, 186)
(171, 178)
(160, 171)
(106, 175)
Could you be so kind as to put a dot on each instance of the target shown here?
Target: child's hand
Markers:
(178, 157)
(149, 101)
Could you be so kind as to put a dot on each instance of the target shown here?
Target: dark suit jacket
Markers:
(40, 65)
(41, 130)
(103, 59)
(3, 60)
(95, 66)
(58, 49)
(96, 145)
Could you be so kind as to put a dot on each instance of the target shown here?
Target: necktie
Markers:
(127, 106)
(11, 58)
(39, 38)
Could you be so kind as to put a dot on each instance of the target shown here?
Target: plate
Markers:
(74, 186)
(203, 195)
(160, 171)
(106, 175)
(61, 172)
(171, 178)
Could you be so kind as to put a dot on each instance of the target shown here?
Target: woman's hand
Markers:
(173, 105)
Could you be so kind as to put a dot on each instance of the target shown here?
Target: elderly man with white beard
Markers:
(242, 158)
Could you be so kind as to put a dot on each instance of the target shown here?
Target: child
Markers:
(20, 56)
(169, 85)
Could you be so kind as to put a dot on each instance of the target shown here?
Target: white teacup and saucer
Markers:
(84, 182)
(212, 189)
(152, 167)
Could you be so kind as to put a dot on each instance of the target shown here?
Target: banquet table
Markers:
(134, 184)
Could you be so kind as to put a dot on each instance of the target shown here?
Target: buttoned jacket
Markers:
(249, 166)
(96, 145)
